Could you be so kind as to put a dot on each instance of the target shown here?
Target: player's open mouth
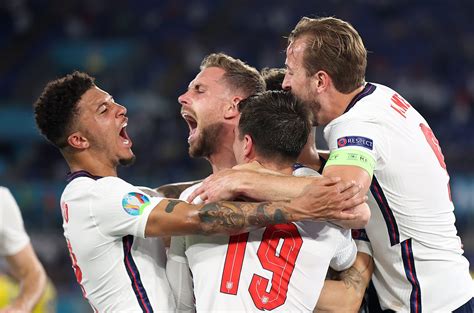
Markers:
(124, 135)
(192, 124)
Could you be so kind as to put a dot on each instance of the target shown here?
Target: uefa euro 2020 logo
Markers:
(134, 203)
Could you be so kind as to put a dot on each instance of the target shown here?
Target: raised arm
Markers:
(174, 217)
(27, 269)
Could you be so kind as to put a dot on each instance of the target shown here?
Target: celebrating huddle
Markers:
(263, 230)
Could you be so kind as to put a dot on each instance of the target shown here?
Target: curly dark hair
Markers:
(277, 122)
(57, 105)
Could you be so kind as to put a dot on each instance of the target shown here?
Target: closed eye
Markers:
(198, 88)
(103, 108)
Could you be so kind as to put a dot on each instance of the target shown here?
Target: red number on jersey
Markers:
(434, 144)
(281, 263)
(65, 210)
(77, 269)
(233, 263)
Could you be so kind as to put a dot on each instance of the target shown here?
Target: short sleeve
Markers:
(346, 253)
(119, 208)
(365, 135)
(304, 171)
(13, 236)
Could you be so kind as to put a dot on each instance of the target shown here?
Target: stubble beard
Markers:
(207, 142)
(127, 162)
(314, 106)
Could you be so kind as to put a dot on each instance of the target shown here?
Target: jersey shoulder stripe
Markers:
(387, 213)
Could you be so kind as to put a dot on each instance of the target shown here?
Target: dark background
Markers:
(146, 52)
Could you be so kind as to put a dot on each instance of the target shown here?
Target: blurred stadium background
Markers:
(146, 52)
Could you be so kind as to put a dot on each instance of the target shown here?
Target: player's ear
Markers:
(248, 147)
(232, 110)
(78, 141)
(321, 81)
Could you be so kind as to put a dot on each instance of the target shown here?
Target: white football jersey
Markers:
(104, 221)
(13, 237)
(279, 268)
(418, 256)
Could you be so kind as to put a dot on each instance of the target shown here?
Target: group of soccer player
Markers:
(273, 221)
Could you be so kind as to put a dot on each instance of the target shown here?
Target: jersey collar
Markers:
(70, 176)
(297, 165)
(368, 89)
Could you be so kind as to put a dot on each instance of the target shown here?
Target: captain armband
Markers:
(352, 157)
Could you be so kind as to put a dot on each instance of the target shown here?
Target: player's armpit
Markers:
(346, 294)
(174, 190)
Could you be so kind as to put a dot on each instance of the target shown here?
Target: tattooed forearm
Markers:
(223, 215)
(235, 217)
(354, 277)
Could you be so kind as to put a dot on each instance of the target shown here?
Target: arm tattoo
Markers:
(236, 217)
(171, 204)
(224, 215)
(352, 277)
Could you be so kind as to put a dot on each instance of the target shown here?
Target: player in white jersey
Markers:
(15, 246)
(412, 227)
(280, 268)
(106, 220)
(380, 141)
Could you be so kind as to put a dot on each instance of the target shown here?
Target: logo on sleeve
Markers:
(134, 203)
(355, 141)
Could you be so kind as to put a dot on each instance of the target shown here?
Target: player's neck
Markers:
(280, 167)
(309, 155)
(93, 165)
(222, 159)
(342, 100)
